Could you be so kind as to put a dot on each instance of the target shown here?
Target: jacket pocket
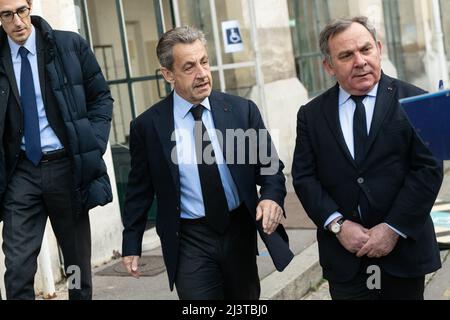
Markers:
(98, 193)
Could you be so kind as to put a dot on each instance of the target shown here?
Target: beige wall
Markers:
(339, 8)
(445, 7)
(284, 94)
(60, 14)
(275, 40)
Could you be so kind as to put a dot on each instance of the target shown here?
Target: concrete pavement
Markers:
(438, 286)
(295, 281)
(302, 279)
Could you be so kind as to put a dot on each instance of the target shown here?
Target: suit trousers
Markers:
(33, 194)
(214, 266)
(390, 287)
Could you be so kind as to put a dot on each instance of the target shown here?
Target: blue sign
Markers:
(233, 36)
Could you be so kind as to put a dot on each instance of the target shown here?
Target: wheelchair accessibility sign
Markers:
(232, 36)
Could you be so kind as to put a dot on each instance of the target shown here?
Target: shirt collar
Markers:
(30, 44)
(344, 95)
(183, 107)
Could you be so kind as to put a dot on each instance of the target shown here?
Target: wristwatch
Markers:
(336, 226)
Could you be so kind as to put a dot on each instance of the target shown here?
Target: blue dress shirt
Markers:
(191, 192)
(49, 140)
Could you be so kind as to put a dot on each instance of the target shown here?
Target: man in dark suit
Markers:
(204, 181)
(364, 176)
(55, 116)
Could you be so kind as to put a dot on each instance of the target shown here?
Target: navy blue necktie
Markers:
(29, 109)
(214, 199)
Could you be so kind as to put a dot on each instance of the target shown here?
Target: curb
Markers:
(303, 273)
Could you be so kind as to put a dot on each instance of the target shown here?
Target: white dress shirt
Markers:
(346, 110)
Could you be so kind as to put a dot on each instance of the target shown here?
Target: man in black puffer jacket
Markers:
(55, 117)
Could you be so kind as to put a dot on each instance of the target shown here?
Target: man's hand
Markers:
(353, 236)
(271, 214)
(382, 241)
(131, 264)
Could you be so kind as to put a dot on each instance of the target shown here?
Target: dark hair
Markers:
(186, 34)
(340, 25)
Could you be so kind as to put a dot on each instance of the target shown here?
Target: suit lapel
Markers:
(40, 51)
(222, 116)
(385, 99)
(331, 113)
(165, 127)
(9, 69)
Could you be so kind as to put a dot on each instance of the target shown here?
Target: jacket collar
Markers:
(330, 109)
(384, 102)
(7, 66)
(165, 127)
(387, 91)
(44, 48)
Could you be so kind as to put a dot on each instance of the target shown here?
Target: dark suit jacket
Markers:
(154, 173)
(78, 106)
(11, 116)
(14, 114)
(399, 180)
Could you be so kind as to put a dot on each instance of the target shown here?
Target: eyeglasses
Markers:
(8, 16)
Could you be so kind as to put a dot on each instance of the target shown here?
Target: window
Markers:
(394, 36)
(123, 35)
(307, 18)
(232, 72)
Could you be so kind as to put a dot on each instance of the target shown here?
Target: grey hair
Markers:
(340, 25)
(184, 35)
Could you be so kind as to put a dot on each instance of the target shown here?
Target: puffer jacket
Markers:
(85, 103)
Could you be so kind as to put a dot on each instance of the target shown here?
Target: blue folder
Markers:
(429, 114)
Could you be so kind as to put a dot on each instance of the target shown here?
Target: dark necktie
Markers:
(29, 109)
(359, 129)
(214, 199)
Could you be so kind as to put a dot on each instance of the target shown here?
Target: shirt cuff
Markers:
(331, 218)
(398, 232)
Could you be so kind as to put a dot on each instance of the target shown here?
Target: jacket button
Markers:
(360, 180)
